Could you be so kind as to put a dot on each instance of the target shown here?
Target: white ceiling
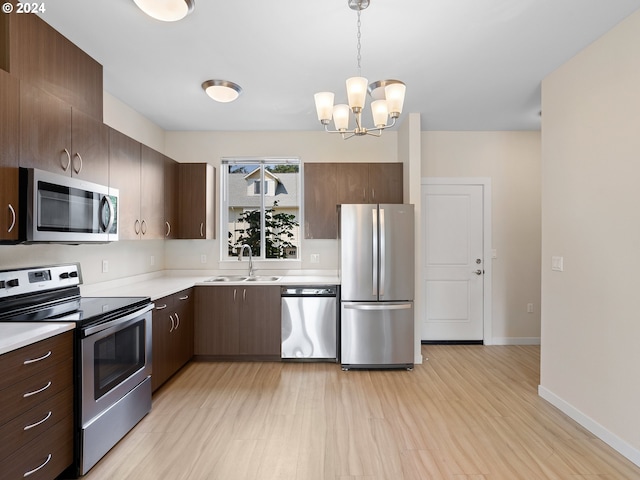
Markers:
(467, 64)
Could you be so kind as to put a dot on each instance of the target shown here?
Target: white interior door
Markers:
(453, 268)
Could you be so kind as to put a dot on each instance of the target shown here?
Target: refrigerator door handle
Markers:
(374, 213)
(382, 254)
(378, 306)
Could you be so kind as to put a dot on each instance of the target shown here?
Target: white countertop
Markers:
(14, 335)
(161, 284)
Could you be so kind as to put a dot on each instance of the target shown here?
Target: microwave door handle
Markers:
(106, 200)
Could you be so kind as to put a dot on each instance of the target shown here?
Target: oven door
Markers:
(116, 357)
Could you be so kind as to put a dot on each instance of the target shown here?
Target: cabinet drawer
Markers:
(52, 451)
(38, 357)
(32, 391)
(35, 422)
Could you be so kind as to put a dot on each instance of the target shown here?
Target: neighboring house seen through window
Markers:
(262, 207)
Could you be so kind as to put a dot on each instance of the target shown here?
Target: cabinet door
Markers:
(196, 201)
(353, 182)
(152, 194)
(216, 329)
(161, 344)
(90, 148)
(320, 200)
(260, 324)
(385, 182)
(45, 131)
(184, 329)
(36, 53)
(9, 141)
(124, 174)
(170, 198)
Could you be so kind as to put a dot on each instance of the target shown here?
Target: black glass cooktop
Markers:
(94, 310)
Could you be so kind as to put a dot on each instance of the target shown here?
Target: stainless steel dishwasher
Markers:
(309, 322)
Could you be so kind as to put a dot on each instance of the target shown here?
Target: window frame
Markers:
(224, 202)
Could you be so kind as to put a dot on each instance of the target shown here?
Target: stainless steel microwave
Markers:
(59, 209)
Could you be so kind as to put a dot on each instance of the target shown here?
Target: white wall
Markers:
(512, 161)
(590, 172)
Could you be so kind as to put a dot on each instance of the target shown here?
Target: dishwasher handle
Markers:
(315, 291)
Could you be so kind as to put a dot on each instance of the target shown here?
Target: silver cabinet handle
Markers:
(186, 297)
(202, 229)
(244, 294)
(29, 427)
(172, 324)
(34, 360)
(373, 194)
(168, 229)
(35, 392)
(13, 218)
(78, 169)
(143, 227)
(68, 160)
(177, 320)
(161, 307)
(30, 472)
(136, 227)
(234, 294)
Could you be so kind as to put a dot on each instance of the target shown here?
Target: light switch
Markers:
(557, 264)
(494, 253)
(315, 258)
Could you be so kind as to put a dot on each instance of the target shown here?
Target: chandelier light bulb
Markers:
(341, 117)
(380, 113)
(357, 92)
(324, 106)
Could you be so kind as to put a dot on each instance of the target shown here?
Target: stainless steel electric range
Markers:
(112, 356)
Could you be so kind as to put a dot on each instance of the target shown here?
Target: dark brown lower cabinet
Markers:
(36, 421)
(172, 335)
(237, 322)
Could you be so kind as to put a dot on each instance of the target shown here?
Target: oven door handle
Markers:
(120, 322)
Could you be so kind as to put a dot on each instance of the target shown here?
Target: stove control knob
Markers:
(14, 282)
(73, 274)
(1, 283)
(64, 275)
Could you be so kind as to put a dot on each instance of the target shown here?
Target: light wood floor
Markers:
(469, 412)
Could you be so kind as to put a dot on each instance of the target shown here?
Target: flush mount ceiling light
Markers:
(166, 10)
(387, 95)
(222, 90)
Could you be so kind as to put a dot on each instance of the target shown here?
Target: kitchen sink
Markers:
(242, 278)
(227, 278)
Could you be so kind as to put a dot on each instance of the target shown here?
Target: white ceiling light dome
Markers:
(166, 10)
(222, 91)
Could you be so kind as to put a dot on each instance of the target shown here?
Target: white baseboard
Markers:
(515, 341)
(611, 439)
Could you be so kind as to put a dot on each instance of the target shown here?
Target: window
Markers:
(261, 207)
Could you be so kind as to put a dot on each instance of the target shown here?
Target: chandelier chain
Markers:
(359, 57)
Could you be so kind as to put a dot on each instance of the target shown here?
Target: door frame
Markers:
(485, 183)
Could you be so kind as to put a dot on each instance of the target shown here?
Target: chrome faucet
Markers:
(245, 245)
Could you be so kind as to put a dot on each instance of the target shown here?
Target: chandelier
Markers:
(388, 98)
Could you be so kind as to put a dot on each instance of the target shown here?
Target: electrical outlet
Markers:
(203, 258)
(105, 266)
(529, 307)
(557, 264)
(315, 258)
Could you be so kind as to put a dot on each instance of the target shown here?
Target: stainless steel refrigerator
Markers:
(377, 285)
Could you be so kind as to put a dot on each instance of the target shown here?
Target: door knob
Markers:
(478, 272)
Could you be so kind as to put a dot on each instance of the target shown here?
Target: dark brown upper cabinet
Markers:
(196, 201)
(36, 53)
(327, 185)
(9, 148)
(60, 139)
